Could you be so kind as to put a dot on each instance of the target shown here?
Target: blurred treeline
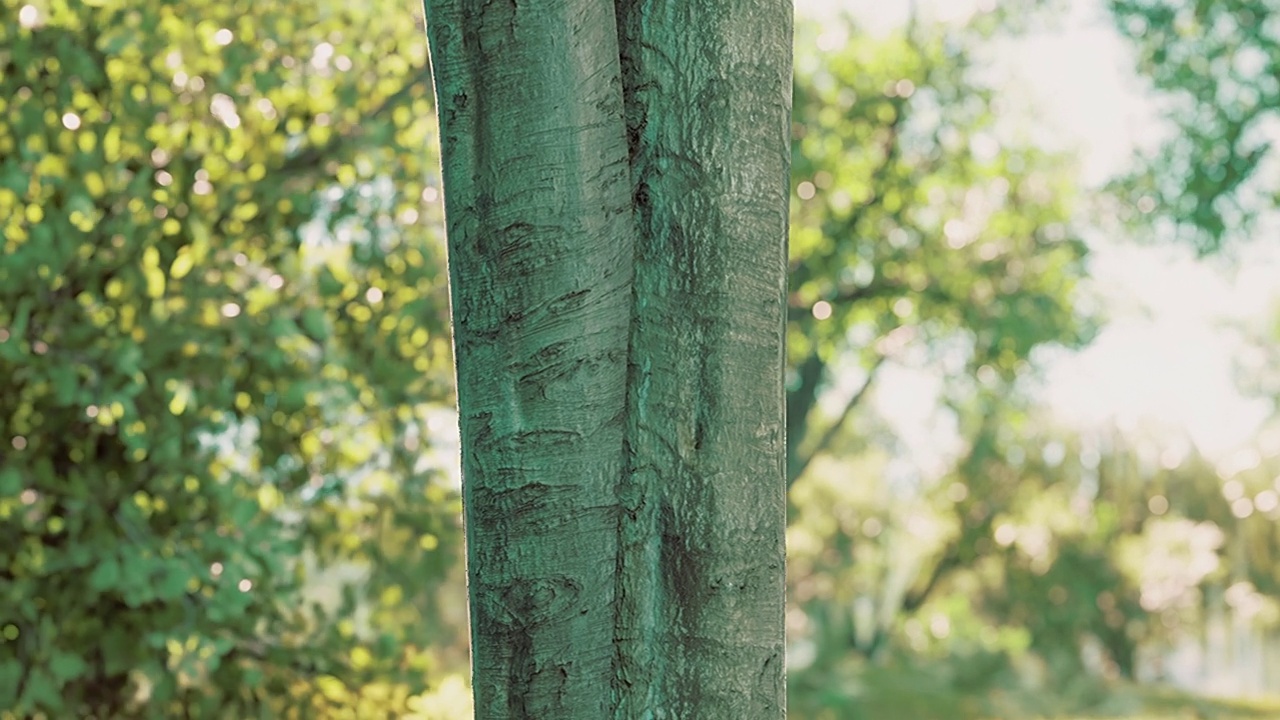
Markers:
(226, 472)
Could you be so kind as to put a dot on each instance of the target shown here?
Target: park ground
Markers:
(893, 696)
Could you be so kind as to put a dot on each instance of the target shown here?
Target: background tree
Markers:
(924, 236)
(616, 185)
(1214, 66)
(918, 225)
(222, 346)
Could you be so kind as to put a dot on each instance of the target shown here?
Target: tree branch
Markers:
(949, 561)
(796, 463)
(798, 312)
(800, 400)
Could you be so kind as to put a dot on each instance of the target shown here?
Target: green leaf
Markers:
(66, 667)
(128, 358)
(18, 325)
(106, 576)
(65, 383)
(41, 691)
(10, 482)
(173, 583)
(315, 324)
(10, 676)
(252, 677)
(243, 512)
(119, 651)
(13, 177)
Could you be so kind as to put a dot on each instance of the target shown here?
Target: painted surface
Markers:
(616, 199)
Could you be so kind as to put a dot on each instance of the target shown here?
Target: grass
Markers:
(1131, 702)
(877, 694)
(1160, 704)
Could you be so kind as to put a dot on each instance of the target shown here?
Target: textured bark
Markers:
(615, 186)
(708, 111)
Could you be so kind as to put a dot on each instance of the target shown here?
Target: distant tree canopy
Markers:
(1215, 67)
(925, 236)
(917, 228)
(222, 330)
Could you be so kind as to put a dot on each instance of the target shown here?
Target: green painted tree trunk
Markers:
(615, 179)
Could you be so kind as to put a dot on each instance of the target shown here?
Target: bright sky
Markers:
(1166, 358)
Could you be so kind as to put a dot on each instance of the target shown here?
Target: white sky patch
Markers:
(1079, 79)
(1168, 355)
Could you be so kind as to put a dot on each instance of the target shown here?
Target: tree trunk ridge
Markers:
(615, 181)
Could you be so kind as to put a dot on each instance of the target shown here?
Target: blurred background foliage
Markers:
(227, 483)
(223, 352)
(1216, 66)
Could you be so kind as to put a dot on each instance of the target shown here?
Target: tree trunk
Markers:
(616, 197)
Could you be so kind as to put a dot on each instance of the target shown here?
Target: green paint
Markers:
(616, 194)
